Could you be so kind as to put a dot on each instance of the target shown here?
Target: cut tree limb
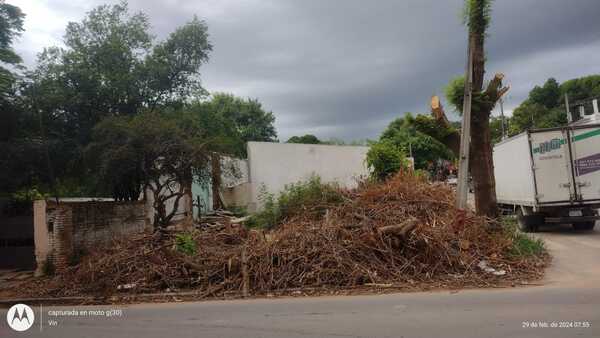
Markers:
(452, 141)
(400, 230)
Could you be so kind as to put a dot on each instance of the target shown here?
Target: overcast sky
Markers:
(346, 68)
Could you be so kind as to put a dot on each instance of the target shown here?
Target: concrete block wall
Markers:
(71, 226)
(62, 237)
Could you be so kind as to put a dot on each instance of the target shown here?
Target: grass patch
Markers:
(523, 245)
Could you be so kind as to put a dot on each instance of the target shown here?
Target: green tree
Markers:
(582, 88)
(305, 139)
(21, 154)
(235, 121)
(160, 152)
(420, 136)
(533, 115)
(543, 108)
(111, 65)
(11, 26)
(548, 95)
(246, 118)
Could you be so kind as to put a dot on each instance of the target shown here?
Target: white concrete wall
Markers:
(276, 164)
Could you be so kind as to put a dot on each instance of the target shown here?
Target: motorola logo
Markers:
(20, 317)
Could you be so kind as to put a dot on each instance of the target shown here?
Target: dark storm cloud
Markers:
(346, 68)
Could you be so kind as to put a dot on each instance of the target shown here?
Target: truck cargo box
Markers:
(549, 167)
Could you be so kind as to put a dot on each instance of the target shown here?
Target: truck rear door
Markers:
(585, 149)
(552, 166)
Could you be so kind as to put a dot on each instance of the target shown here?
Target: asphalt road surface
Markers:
(569, 297)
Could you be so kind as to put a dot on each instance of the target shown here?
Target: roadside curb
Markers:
(102, 300)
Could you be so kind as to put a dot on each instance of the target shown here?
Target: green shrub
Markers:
(269, 215)
(297, 197)
(185, 244)
(385, 159)
(308, 196)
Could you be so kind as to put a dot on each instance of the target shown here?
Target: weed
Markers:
(305, 196)
(185, 244)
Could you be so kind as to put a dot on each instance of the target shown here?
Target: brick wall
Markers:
(73, 226)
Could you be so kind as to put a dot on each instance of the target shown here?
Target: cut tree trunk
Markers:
(482, 169)
(481, 162)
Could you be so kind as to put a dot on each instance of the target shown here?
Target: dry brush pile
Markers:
(405, 232)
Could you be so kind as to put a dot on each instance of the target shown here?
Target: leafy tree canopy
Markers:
(163, 152)
(420, 135)
(306, 139)
(544, 106)
(11, 26)
(112, 66)
(244, 119)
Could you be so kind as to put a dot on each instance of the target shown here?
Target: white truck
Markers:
(551, 176)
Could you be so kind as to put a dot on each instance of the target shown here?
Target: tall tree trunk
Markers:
(481, 161)
(482, 168)
(216, 181)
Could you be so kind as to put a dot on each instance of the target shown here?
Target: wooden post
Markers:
(245, 277)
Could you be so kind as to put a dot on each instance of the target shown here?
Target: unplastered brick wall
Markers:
(73, 226)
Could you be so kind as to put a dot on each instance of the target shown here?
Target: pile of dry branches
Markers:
(405, 232)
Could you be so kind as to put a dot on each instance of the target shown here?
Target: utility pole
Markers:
(465, 135)
(569, 115)
(502, 119)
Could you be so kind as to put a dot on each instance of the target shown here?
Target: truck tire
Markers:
(529, 223)
(584, 226)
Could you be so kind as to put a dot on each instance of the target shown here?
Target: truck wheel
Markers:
(529, 223)
(583, 226)
(586, 226)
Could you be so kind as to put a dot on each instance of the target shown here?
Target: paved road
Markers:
(570, 294)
